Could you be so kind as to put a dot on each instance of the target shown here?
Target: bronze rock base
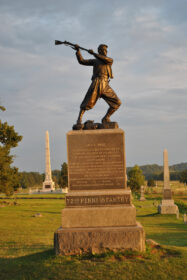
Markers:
(91, 125)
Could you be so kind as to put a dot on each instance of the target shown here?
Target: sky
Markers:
(42, 85)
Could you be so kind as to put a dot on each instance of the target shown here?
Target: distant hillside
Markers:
(150, 171)
(154, 169)
(178, 167)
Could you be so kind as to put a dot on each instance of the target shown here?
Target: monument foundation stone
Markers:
(99, 213)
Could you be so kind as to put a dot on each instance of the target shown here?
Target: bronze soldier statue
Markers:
(99, 88)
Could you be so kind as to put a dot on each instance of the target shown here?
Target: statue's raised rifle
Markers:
(66, 43)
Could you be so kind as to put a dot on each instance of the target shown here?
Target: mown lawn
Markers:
(26, 246)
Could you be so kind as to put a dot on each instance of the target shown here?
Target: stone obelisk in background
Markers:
(167, 205)
(48, 184)
(166, 172)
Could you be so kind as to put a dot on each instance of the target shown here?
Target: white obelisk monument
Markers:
(48, 184)
(167, 205)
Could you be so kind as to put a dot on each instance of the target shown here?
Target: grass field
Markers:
(26, 245)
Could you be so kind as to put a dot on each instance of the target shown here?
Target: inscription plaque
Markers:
(98, 200)
(167, 194)
(96, 159)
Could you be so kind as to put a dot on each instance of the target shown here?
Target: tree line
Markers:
(136, 177)
(155, 171)
(35, 179)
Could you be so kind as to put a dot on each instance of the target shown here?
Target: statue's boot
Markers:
(106, 118)
(81, 113)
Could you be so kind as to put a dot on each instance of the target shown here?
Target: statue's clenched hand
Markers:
(91, 51)
(77, 47)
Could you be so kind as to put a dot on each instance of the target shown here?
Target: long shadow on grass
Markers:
(42, 211)
(148, 215)
(26, 267)
(153, 198)
(36, 257)
(176, 226)
(171, 238)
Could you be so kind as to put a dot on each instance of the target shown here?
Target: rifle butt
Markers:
(58, 42)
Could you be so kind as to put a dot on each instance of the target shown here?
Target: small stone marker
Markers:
(37, 215)
(177, 214)
(185, 219)
(151, 242)
(142, 198)
(155, 203)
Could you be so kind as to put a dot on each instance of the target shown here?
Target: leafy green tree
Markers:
(9, 176)
(56, 176)
(183, 176)
(30, 179)
(151, 183)
(2, 108)
(63, 180)
(135, 178)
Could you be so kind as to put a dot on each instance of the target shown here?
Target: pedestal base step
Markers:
(97, 240)
(93, 217)
(142, 199)
(168, 209)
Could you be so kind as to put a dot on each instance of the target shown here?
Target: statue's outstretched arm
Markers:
(104, 58)
(81, 60)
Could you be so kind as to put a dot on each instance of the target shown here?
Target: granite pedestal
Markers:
(99, 214)
(168, 206)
